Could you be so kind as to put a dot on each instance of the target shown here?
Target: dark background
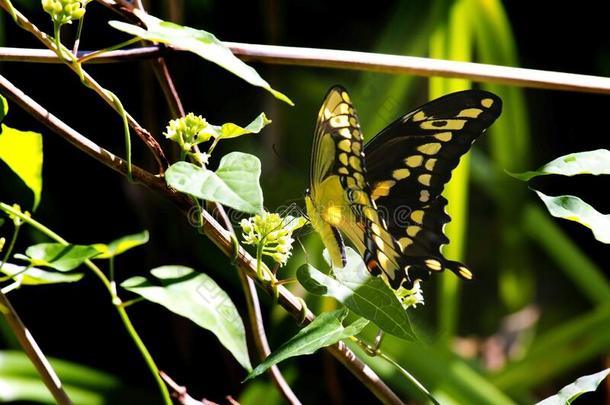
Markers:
(86, 202)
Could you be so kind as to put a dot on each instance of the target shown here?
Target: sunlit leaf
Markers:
(199, 42)
(230, 130)
(3, 108)
(234, 184)
(196, 297)
(22, 152)
(59, 257)
(574, 209)
(118, 246)
(325, 330)
(36, 276)
(572, 391)
(366, 295)
(594, 162)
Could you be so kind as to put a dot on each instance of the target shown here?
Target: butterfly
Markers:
(385, 196)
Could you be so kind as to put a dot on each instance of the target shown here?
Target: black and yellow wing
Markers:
(388, 203)
(339, 200)
(409, 163)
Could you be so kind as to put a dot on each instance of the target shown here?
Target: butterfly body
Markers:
(385, 196)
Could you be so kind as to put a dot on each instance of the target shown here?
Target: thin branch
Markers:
(180, 393)
(219, 236)
(362, 61)
(31, 349)
(90, 82)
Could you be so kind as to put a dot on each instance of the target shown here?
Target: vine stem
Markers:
(116, 301)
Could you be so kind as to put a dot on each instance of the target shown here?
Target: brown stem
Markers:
(361, 61)
(31, 349)
(219, 236)
(179, 392)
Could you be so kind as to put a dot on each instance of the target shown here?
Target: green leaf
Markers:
(235, 183)
(59, 257)
(196, 297)
(230, 130)
(594, 162)
(572, 391)
(22, 152)
(121, 245)
(3, 108)
(574, 209)
(367, 296)
(325, 330)
(199, 42)
(36, 276)
(19, 381)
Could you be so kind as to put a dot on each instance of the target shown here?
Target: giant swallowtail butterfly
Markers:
(385, 196)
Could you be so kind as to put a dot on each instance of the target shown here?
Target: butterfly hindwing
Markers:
(410, 161)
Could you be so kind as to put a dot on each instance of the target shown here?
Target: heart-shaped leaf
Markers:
(234, 184)
(196, 297)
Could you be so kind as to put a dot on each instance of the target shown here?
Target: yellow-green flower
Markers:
(412, 297)
(188, 131)
(273, 232)
(64, 11)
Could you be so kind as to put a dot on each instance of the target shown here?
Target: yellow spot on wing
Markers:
(345, 132)
(424, 179)
(345, 97)
(429, 148)
(383, 261)
(464, 272)
(356, 147)
(419, 116)
(375, 228)
(339, 121)
(430, 164)
(379, 242)
(400, 174)
(412, 230)
(404, 242)
(487, 102)
(343, 158)
(359, 179)
(357, 135)
(434, 264)
(354, 162)
(414, 161)
(444, 136)
(470, 112)
(382, 189)
(342, 170)
(424, 196)
(417, 216)
(345, 145)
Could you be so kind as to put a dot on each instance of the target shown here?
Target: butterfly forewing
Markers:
(339, 190)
